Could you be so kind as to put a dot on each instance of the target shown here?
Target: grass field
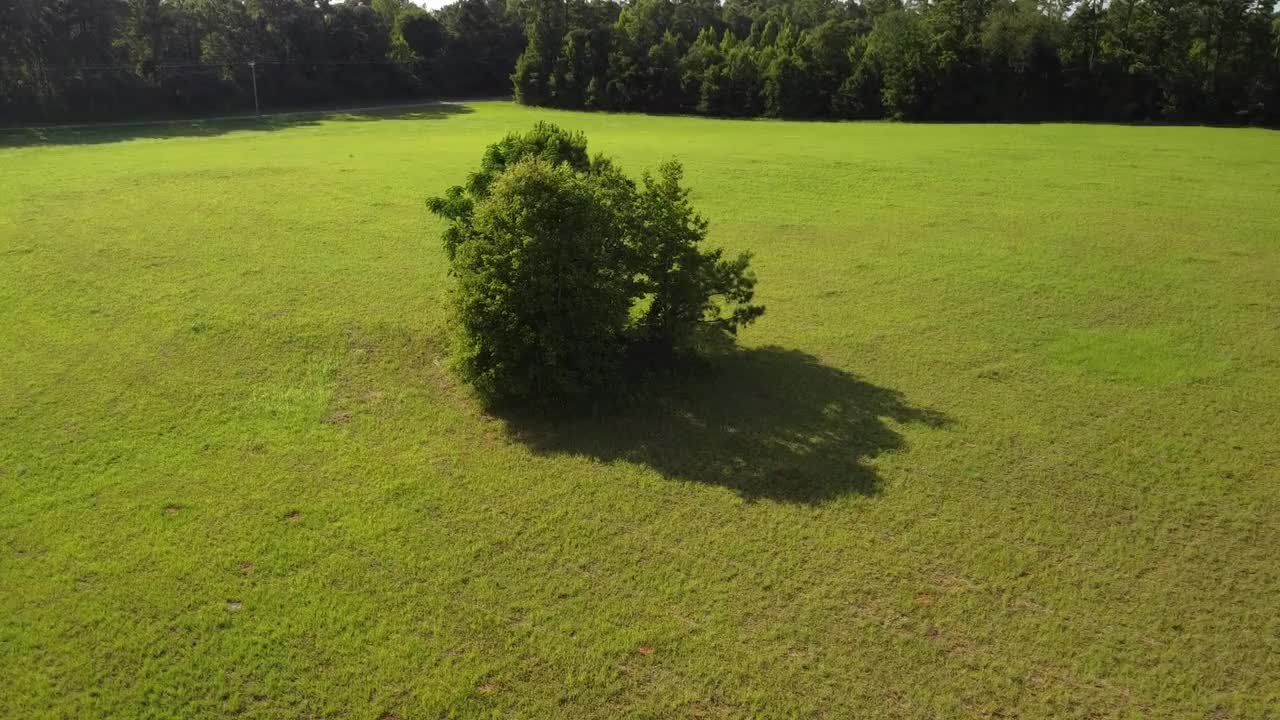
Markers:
(1006, 444)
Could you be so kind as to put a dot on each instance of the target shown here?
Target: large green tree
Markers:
(571, 277)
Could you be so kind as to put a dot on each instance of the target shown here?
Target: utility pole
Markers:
(253, 71)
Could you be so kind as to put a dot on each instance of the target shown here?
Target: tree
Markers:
(533, 74)
(826, 49)
(24, 79)
(388, 11)
(665, 88)
(687, 285)
(700, 56)
(356, 33)
(568, 273)
(421, 33)
(484, 41)
(581, 69)
(573, 71)
(790, 88)
(289, 31)
(1020, 45)
(640, 27)
(860, 94)
(955, 53)
(541, 305)
(744, 81)
(899, 47)
(142, 34)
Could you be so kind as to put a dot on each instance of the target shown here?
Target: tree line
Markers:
(100, 59)
(1180, 61)
(1185, 61)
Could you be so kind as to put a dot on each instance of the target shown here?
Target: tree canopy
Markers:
(573, 281)
(1192, 61)
(1180, 61)
(103, 59)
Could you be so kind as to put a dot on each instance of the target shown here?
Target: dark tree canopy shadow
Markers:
(163, 129)
(769, 423)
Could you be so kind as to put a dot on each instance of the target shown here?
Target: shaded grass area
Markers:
(1004, 444)
(161, 129)
(769, 423)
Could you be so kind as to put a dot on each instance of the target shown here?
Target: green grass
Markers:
(1006, 444)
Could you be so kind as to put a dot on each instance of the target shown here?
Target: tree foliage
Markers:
(1194, 61)
(1125, 60)
(103, 59)
(570, 276)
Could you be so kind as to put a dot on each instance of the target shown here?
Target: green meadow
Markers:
(1005, 444)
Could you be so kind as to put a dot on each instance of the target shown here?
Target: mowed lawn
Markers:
(1006, 443)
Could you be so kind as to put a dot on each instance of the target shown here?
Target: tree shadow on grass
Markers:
(165, 129)
(768, 423)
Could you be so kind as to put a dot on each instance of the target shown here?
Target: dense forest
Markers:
(1184, 61)
(99, 59)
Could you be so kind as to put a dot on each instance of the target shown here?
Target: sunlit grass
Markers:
(1005, 444)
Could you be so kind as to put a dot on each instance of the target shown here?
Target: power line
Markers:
(182, 66)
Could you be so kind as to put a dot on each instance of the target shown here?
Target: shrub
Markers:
(541, 303)
(689, 288)
(568, 273)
